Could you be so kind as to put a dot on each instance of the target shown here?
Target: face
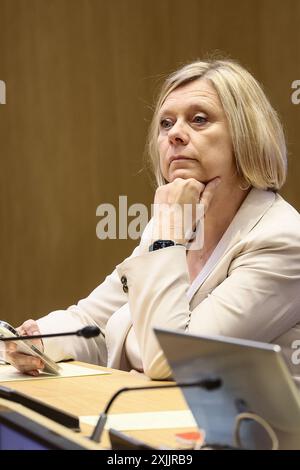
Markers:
(194, 139)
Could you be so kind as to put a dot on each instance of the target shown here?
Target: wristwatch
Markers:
(158, 244)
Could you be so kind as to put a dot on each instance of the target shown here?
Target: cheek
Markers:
(218, 146)
(161, 144)
(162, 151)
(227, 151)
(216, 154)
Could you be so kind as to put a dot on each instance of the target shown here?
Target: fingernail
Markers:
(34, 373)
(217, 181)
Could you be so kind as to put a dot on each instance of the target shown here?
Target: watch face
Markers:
(162, 244)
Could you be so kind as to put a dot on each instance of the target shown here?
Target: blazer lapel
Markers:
(249, 214)
(256, 204)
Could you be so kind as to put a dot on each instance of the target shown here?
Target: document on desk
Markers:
(148, 420)
(10, 374)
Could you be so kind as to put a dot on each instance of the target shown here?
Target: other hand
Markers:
(23, 362)
(177, 208)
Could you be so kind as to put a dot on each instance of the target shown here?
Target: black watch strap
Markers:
(159, 244)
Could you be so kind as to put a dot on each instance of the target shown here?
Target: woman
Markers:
(214, 139)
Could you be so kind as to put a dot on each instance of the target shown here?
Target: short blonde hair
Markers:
(257, 135)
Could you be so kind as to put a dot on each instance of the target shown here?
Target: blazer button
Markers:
(124, 282)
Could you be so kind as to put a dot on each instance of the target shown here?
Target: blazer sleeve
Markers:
(96, 309)
(259, 299)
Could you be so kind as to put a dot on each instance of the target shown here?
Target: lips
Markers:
(175, 158)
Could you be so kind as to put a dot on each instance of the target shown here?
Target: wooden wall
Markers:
(80, 79)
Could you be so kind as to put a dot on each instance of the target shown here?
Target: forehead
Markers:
(198, 91)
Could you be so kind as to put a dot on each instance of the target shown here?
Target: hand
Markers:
(177, 206)
(23, 362)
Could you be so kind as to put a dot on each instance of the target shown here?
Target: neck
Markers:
(218, 217)
(222, 210)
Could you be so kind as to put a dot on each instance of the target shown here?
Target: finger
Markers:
(30, 371)
(37, 342)
(21, 330)
(10, 347)
(26, 328)
(24, 362)
(199, 186)
(31, 328)
(209, 192)
(34, 373)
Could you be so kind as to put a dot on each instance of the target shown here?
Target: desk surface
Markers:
(88, 396)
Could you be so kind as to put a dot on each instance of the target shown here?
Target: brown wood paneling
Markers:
(80, 77)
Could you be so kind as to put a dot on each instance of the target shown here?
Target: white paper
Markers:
(9, 373)
(149, 420)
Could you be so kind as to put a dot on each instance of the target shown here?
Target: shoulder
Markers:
(280, 224)
(272, 246)
(273, 243)
(273, 240)
(283, 209)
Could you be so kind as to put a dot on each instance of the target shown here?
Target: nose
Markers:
(178, 134)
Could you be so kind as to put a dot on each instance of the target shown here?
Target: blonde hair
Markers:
(257, 136)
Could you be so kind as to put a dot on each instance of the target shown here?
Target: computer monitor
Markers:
(18, 432)
(255, 379)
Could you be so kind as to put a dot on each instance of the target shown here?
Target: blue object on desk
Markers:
(17, 432)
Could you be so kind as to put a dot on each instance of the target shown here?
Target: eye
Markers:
(166, 123)
(199, 119)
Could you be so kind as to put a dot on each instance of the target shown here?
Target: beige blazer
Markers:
(252, 292)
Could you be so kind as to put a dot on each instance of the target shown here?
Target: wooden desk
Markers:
(88, 396)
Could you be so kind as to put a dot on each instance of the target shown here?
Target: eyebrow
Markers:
(193, 106)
